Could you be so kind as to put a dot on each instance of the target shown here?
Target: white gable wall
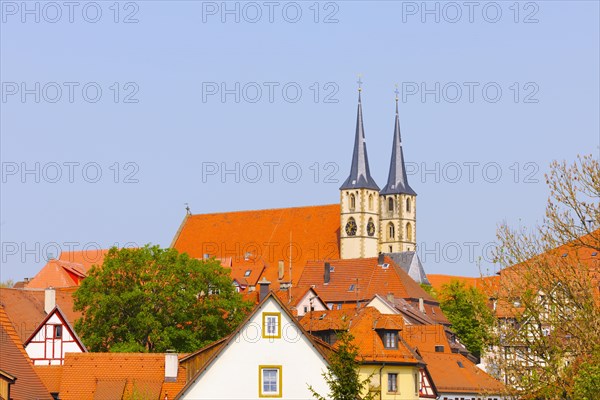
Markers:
(234, 374)
(44, 349)
(305, 302)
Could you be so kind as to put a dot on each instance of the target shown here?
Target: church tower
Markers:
(359, 224)
(398, 203)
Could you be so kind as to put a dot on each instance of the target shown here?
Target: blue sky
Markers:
(159, 97)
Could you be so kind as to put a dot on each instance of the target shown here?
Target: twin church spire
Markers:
(374, 221)
(360, 176)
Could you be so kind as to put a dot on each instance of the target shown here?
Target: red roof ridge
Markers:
(267, 209)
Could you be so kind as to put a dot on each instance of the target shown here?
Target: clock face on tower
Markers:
(370, 228)
(351, 227)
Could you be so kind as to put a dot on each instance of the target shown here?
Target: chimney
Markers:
(281, 270)
(264, 289)
(171, 366)
(49, 299)
(327, 273)
(380, 259)
(421, 305)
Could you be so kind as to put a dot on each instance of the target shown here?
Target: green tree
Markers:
(343, 373)
(467, 310)
(152, 299)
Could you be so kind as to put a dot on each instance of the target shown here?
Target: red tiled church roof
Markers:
(265, 236)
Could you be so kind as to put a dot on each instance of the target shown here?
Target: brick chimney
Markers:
(327, 273)
(380, 259)
(171, 366)
(49, 300)
(264, 289)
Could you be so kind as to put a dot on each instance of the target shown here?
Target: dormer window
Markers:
(390, 339)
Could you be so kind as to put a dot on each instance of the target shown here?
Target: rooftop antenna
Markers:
(290, 286)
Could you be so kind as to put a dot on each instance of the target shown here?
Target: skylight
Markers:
(460, 364)
(247, 273)
(351, 288)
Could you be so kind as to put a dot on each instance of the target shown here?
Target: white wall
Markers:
(55, 349)
(305, 302)
(235, 372)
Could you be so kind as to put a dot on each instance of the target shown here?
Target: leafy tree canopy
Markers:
(343, 373)
(151, 299)
(466, 308)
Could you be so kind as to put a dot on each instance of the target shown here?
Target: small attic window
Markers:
(564, 255)
(247, 273)
(351, 288)
(385, 265)
(322, 316)
(594, 254)
(331, 268)
(460, 364)
(439, 349)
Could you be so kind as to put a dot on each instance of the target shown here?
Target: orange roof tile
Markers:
(105, 373)
(51, 375)
(25, 308)
(579, 260)
(449, 376)
(364, 325)
(266, 235)
(14, 360)
(68, 270)
(446, 372)
(486, 284)
(365, 277)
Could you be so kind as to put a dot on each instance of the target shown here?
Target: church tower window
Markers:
(370, 202)
(391, 231)
(407, 205)
(352, 202)
(409, 232)
(391, 204)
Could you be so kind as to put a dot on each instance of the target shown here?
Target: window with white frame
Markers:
(270, 381)
(271, 325)
(392, 382)
(390, 340)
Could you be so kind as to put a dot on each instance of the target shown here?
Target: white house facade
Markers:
(269, 356)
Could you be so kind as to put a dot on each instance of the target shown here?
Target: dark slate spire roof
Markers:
(397, 181)
(360, 176)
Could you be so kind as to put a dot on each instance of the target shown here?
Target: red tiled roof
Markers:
(368, 279)
(486, 284)
(265, 234)
(68, 270)
(364, 325)
(25, 308)
(14, 360)
(579, 261)
(444, 367)
(87, 375)
(51, 376)
(448, 376)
